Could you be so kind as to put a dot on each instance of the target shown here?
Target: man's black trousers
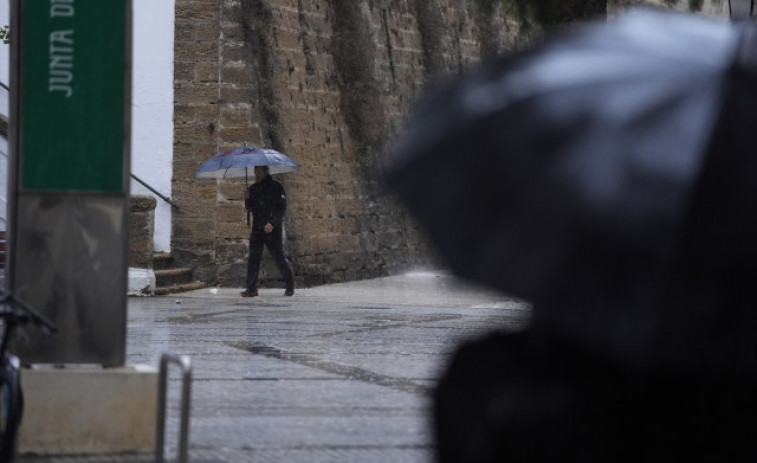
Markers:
(273, 241)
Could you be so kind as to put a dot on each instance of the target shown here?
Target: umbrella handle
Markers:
(246, 185)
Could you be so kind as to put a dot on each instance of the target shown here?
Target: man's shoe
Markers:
(289, 293)
(248, 293)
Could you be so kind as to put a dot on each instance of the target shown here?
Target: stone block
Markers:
(233, 230)
(184, 114)
(185, 151)
(368, 242)
(233, 190)
(139, 257)
(231, 252)
(207, 73)
(142, 203)
(232, 212)
(348, 243)
(140, 240)
(231, 30)
(202, 190)
(240, 75)
(235, 114)
(194, 229)
(140, 229)
(89, 411)
(234, 50)
(288, 39)
(206, 272)
(190, 253)
(238, 94)
(307, 230)
(187, 169)
(195, 209)
(184, 31)
(196, 11)
(207, 31)
(195, 93)
(348, 207)
(196, 51)
(183, 71)
(232, 275)
(205, 114)
(194, 133)
(237, 135)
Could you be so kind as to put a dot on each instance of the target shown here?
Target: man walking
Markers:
(267, 201)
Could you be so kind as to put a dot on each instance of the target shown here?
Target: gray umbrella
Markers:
(240, 161)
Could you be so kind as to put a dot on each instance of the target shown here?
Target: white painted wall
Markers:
(712, 8)
(152, 105)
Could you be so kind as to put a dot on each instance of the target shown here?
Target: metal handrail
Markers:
(168, 200)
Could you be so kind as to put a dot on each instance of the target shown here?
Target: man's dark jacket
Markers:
(267, 202)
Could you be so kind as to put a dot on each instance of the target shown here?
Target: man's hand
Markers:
(268, 228)
(246, 193)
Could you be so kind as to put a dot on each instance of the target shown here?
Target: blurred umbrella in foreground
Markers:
(611, 179)
(540, 172)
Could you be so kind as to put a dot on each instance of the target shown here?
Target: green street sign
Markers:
(73, 82)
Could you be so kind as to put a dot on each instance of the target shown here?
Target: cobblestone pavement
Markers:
(339, 373)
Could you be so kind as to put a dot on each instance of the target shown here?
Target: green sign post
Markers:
(69, 191)
(73, 80)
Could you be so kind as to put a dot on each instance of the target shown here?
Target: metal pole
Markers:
(160, 430)
(14, 139)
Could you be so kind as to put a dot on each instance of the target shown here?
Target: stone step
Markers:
(162, 261)
(178, 288)
(173, 276)
(169, 280)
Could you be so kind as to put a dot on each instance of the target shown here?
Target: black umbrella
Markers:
(566, 174)
(610, 177)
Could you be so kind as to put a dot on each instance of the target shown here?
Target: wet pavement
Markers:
(337, 373)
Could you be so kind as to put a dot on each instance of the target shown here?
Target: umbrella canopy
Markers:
(595, 175)
(611, 179)
(238, 162)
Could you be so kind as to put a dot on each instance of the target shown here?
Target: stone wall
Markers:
(330, 83)
(712, 8)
